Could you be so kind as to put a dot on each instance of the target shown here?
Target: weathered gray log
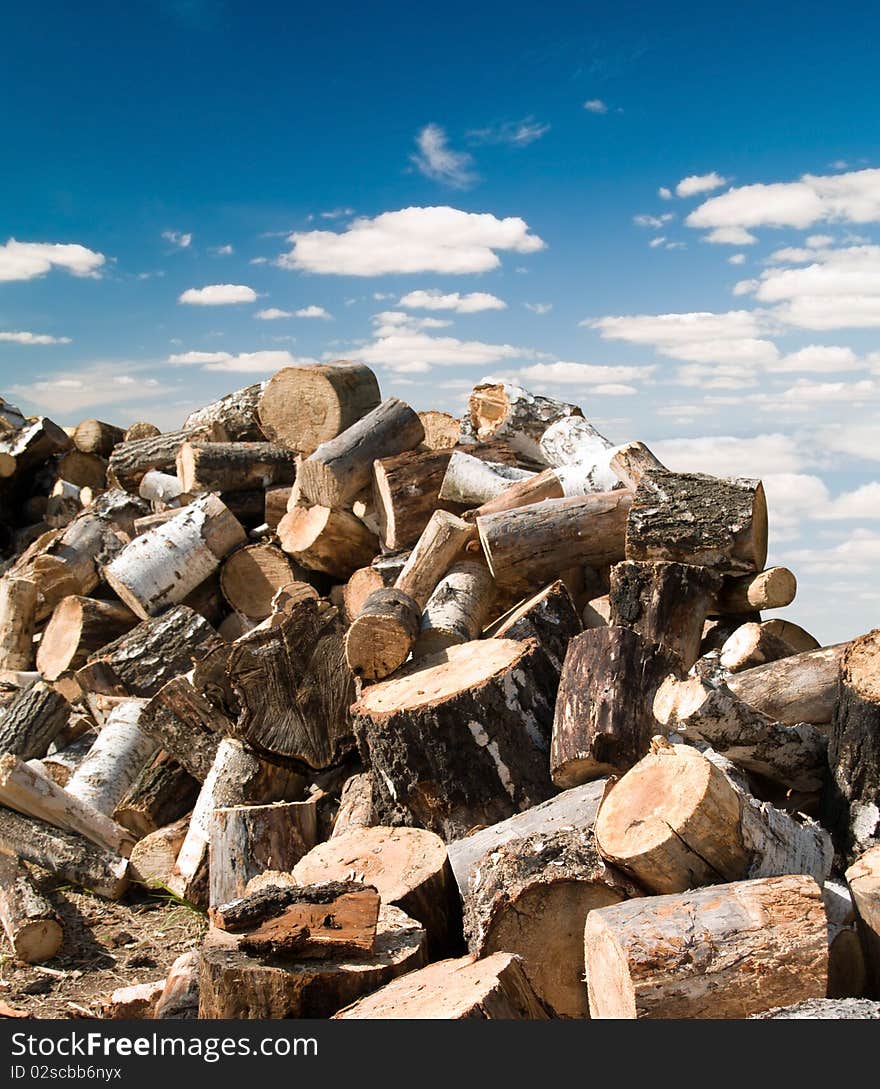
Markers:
(802, 688)
(131, 459)
(32, 720)
(550, 616)
(162, 793)
(18, 607)
(185, 725)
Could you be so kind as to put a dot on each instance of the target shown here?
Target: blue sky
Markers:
(665, 213)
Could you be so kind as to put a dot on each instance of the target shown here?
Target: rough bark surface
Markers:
(32, 720)
(550, 616)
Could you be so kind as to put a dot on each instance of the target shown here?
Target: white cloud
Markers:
(595, 105)
(241, 363)
(614, 389)
(177, 238)
(699, 337)
(516, 133)
(858, 554)
(699, 183)
(728, 455)
(791, 255)
(820, 241)
(655, 242)
(314, 312)
(28, 260)
(223, 251)
(462, 304)
(392, 321)
(32, 338)
(539, 308)
(259, 261)
(857, 440)
(663, 193)
(820, 359)
(337, 213)
(402, 346)
(862, 503)
(67, 394)
(439, 162)
(218, 295)
(806, 392)
(273, 314)
(655, 222)
(730, 236)
(582, 373)
(411, 240)
(736, 259)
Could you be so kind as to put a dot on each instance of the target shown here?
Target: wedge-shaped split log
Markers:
(28, 918)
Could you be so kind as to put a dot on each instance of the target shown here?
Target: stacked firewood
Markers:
(433, 717)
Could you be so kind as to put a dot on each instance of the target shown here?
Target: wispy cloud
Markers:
(441, 163)
(68, 393)
(539, 308)
(178, 238)
(314, 312)
(222, 251)
(32, 338)
(655, 222)
(238, 363)
(273, 314)
(515, 133)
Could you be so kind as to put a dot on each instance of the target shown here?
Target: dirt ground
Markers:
(106, 945)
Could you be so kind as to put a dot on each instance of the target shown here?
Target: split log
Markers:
(457, 609)
(665, 603)
(852, 802)
(802, 688)
(140, 662)
(28, 918)
(487, 989)
(303, 406)
(711, 712)
(240, 986)
(461, 738)
(574, 441)
(471, 481)
(115, 761)
(78, 628)
(332, 541)
(162, 793)
(66, 854)
(863, 878)
(247, 840)
(694, 518)
(180, 995)
(33, 444)
(141, 429)
(18, 606)
(136, 1002)
(676, 821)
(293, 688)
(275, 505)
(355, 805)
(133, 458)
(533, 899)
(234, 466)
(795, 636)
(162, 567)
(33, 794)
(252, 576)
(32, 720)
(752, 645)
(408, 866)
(631, 461)
(771, 589)
(721, 952)
(185, 725)
(236, 415)
(406, 490)
(504, 410)
(604, 720)
(442, 431)
(97, 437)
(441, 541)
(529, 546)
(549, 616)
(153, 858)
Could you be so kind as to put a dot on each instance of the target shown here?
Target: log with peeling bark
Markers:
(162, 567)
(131, 459)
(180, 995)
(28, 791)
(801, 688)
(851, 805)
(765, 945)
(33, 444)
(529, 546)
(115, 761)
(240, 986)
(162, 793)
(247, 840)
(664, 602)
(29, 920)
(234, 466)
(18, 607)
(457, 609)
(236, 415)
(574, 441)
(342, 466)
(631, 461)
(332, 541)
(153, 858)
(141, 661)
(68, 855)
(408, 866)
(676, 821)
(406, 490)
(442, 431)
(507, 411)
(252, 576)
(752, 645)
(603, 721)
(186, 726)
(97, 437)
(78, 628)
(32, 720)
(694, 518)
(488, 989)
(305, 405)
(770, 589)
(711, 712)
(461, 738)
(355, 805)
(550, 616)
(863, 878)
(561, 482)
(471, 481)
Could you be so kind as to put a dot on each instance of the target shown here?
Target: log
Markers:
(457, 609)
(574, 441)
(234, 466)
(332, 541)
(533, 899)
(676, 821)
(83, 470)
(153, 858)
(711, 712)
(162, 567)
(441, 430)
(136, 1002)
(32, 720)
(185, 725)
(665, 603)
(851, 805)
(802, 688)
(379, 575)
(240, 986)
(275, 505)
(770, 589)
(60, 764)
(33, 444)
(247, 840)
(631, 461)
(133, 458)
(293, 688)
(504, 410)
(97, 437)
(355, 805)
(161, 489)
(115, 761)
(441, 541)
(18, 606)
(28, 791)
(550, 616)
(825, 1009)
(752, 645)
(795, 636)
(694, 518)
(406, 490)
(408, 866)
(471, 481)
(63, 504)
(66, 854)
(460, 739)
(252, 576)
(863, 878)
(162, 793)
(305, 405)
(489, 989)
(847, 969)
(529, 546)
(235, 414)
(78, 628)
(180, 995)
(561, 482)
(721, 952)
(141, 429)
(28, 918)
(140, 662)
(604, 721)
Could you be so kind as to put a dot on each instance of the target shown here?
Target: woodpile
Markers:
(434, 718)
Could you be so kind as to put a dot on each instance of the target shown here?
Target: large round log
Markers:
(132, 459)
(383, 633)
(97, 437)
(574, 441)
(251, 577)
(332, 541)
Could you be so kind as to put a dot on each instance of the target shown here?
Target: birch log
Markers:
(457, 609)
(471, 481)
(507, 411)
(631, 461)
(236, 415)
(574, 441)
(802, 688)
(18, 607)
(114, 762)
(28, 918)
